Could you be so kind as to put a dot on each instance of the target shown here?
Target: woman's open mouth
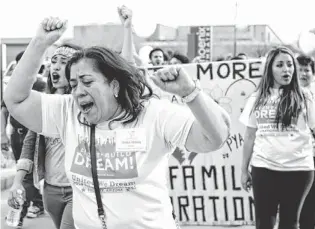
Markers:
(55, 77)
(286, 77)
(86, 107)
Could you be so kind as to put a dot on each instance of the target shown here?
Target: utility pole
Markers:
(235, 30)
(1, 69)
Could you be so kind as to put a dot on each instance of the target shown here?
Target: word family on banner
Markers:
(205, 189)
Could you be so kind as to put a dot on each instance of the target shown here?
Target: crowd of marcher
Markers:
(67, 109)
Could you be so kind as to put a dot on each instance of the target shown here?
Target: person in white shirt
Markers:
(118, 183)
(307, 73)
(278, 117)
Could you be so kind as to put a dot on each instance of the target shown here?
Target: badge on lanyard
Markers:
(133, 139)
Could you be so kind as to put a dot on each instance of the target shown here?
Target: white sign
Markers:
(205, 189)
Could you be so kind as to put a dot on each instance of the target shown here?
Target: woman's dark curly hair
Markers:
(133, 88)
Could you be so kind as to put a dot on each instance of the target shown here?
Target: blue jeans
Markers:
(58, 203)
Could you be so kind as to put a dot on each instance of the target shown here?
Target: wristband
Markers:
(193, 95)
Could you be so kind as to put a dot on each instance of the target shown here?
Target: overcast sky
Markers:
(19, 18)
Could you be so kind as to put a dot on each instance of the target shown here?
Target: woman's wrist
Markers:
(244, 168)
(39, 44)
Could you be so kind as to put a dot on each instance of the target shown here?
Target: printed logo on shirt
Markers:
(116, 170)
(266, 119)
(52, 141)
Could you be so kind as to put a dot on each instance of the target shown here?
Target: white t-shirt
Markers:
(287, 150)
(133, 184)
(55, 163)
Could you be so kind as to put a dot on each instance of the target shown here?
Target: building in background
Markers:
(254, 40)
(9, 48)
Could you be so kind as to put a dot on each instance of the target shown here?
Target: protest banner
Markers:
(205, 189)
(201, 42)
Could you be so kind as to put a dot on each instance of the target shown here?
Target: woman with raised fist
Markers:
(117, 137)
(45, 156)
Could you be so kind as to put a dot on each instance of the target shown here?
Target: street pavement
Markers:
(45, 221)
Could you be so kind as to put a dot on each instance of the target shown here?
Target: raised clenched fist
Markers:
(174, 80)
(50, 30)
(125, 15)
